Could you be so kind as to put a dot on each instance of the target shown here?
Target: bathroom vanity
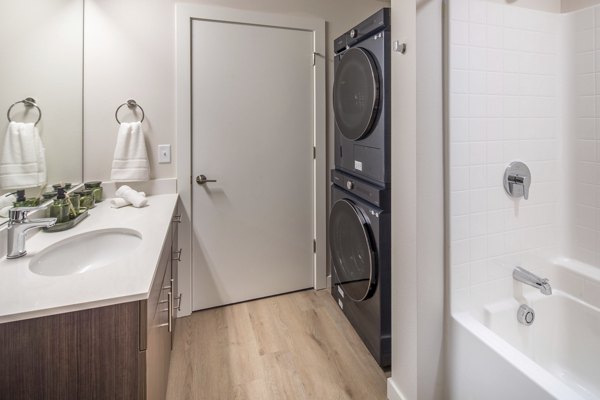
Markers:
(101, 330)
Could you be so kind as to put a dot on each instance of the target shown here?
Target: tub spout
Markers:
(531, 279)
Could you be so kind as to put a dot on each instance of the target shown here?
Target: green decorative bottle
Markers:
(96, 188)
(60, 207)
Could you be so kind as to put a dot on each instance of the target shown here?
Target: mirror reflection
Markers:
(41, 98)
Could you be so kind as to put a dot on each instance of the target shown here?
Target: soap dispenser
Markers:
(60, 207)
(21, 200)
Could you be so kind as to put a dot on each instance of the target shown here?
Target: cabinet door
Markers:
(89, 354)
(108, 356)
(38, 358)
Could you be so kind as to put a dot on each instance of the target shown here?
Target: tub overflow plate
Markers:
(525, 315)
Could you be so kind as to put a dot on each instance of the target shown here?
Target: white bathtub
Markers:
(493, 356)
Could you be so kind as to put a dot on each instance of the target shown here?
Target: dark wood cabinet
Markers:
(120, 351)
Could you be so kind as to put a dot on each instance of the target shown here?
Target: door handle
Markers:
(202, 179)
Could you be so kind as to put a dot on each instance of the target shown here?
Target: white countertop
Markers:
(24, 294)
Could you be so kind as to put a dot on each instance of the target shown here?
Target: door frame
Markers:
(185, 14)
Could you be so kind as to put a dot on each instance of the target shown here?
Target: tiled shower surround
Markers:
(523, 85)
(582, 133)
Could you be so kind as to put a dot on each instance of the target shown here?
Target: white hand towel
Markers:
(130, 161)
(135, 198)
(22, 158)
(119, 202)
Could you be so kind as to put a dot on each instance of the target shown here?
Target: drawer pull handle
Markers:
(166, 287)
(169, 310)
(177, 219)
(170, 298)
(177, 255)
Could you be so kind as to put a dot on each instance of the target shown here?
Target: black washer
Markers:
(359, 241)
(356, 93)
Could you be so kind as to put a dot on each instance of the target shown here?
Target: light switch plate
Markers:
(164, 153)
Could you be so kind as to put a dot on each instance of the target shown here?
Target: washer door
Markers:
(352, 251)
(356, 93)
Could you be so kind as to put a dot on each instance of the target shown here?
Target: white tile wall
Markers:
(583, 135)
(504, 106)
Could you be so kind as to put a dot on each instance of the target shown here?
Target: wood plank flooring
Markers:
(294, 346)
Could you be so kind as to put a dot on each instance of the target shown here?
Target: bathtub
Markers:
(493, 356)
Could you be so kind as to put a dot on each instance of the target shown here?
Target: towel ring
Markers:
(28, 102)
(131, 104)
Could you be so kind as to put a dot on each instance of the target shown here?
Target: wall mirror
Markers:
(42, 46)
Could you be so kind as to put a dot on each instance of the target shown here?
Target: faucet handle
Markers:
(520, 181)
(517, 179)
(19, 214)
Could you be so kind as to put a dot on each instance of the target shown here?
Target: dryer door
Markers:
(356, 93)
(352, 250)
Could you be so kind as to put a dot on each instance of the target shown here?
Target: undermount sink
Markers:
(85, 252)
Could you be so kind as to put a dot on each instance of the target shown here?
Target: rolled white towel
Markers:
(6, 201)
(4, 211)
(135, 198)
(119, 202)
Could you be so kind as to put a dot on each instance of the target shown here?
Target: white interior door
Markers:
(252, 132)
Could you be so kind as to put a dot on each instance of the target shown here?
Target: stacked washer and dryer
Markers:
(359, 222)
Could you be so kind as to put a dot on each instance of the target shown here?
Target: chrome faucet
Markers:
(19, 225)
(531, 279)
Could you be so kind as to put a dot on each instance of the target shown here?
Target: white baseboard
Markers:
(393, 393)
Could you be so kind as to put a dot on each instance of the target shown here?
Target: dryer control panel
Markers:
(375, 23)
(367, 191)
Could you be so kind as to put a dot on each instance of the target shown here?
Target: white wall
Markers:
(430, 201)
(42, 57)
(130, 53)
(503, 89)
(403, 382)
(418, 201)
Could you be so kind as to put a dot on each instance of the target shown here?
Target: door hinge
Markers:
(314, 153)
(314, 245)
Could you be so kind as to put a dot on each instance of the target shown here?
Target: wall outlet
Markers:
(164, 153)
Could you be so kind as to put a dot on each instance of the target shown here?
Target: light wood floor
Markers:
(294, 346)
